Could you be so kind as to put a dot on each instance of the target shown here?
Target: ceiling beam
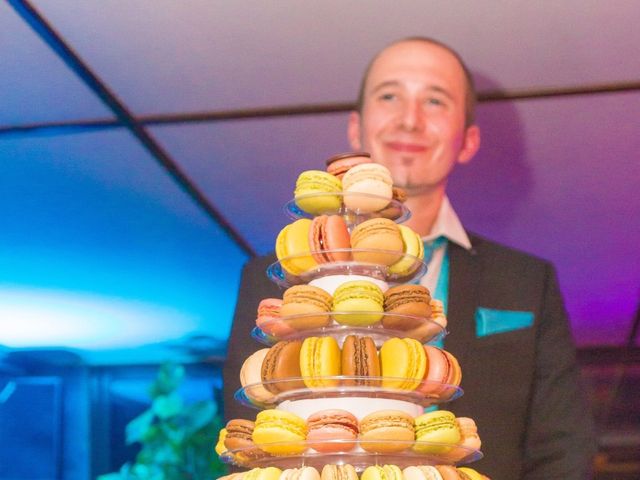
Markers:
(308, 109)
(123, 115)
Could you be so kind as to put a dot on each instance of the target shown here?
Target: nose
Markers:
(412, 116)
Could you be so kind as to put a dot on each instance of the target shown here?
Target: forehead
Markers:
(419, 63)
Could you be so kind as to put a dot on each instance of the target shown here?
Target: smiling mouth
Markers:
(406, 147)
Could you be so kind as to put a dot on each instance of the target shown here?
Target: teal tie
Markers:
(442, 285)
(432, 246)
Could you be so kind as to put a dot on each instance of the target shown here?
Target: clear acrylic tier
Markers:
(270, 394)
(338, 325)
(385, 265)
(359, 453)
(393, 209)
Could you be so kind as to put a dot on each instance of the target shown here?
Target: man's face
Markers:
(413, 115)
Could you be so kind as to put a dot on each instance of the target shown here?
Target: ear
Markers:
(470, 145)
(353, 131)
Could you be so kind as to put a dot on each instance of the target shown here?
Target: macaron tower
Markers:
(346, 379)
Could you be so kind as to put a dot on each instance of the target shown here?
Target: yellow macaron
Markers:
(279, 432)
(437, 427)
(268, 473)
(413, 248)
(313, 192)
(403, 362)
(384, 472)
(292, 247)
(319, 358)
(364, 299)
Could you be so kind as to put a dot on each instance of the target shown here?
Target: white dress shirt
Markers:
(447, 225)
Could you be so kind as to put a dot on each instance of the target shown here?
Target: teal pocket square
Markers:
(490, 322)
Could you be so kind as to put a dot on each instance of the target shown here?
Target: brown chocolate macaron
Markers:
(414, 300)
(339, 164)
(360, 358)
(238, 437)
(394, 210)
(282, 362)
(239, 434)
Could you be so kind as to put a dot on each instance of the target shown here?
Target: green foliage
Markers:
(177, 440)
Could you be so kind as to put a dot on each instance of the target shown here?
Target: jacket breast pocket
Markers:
(502, 326)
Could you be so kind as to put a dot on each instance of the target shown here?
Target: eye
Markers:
(434, 101)
(387, 96)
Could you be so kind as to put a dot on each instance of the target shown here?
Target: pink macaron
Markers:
(329, 239)
(332, 424)
(442, 369)
(268, 318)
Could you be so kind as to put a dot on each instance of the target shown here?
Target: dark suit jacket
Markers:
(521, 387)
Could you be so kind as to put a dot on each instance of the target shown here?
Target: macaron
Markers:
(282, 362)
(437, 427)
(436, 326)
(471, 474)
(292, 247)
(359, 358)
(312, 302)
(371, 179)
(437, 313)
(220, 448)
(411, 300)
(408, 309)
(339, 472)
(332, 424)
(268, 318)
(469, 433)
(362, 300)
(449, 472)
(320, 358)
(422, 472)
(386, 431)
(280, 432)
(403, 363)
(239, 437)
(384, 472)
(233, 476)
(381, 240)
(443, 369)
(339, 164)
(394, 209)
(238, 434)
(313, 192)
(329, 239)
(251, 377)
(413, 248)
(268, 473)
(302, 473)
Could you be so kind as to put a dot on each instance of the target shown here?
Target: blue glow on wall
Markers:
(100, 248)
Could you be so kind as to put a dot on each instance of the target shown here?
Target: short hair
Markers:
(470, 91)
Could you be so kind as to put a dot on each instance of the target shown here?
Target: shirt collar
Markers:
(448, 225)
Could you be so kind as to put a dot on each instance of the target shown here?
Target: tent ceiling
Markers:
(556, 176)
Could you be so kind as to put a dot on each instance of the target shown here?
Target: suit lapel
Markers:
(464, 285)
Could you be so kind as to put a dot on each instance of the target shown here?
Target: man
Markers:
(506, 316)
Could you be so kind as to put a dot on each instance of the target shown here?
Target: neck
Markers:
(424, 208)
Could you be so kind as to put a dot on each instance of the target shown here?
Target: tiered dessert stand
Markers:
(358, 395)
